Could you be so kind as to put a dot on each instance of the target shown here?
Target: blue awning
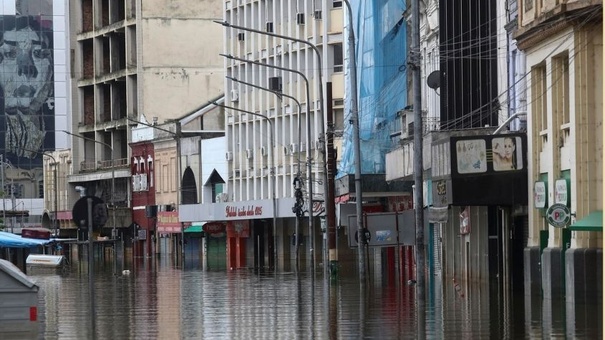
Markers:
(8, 240)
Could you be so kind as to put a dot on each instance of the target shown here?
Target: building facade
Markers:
(132, 59)
(279, 141)
(35, 104)
(563, 43)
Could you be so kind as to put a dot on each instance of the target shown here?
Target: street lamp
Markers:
(272, 174)
(113, 178)
(321, 102)
(279, 95)
(309, 165)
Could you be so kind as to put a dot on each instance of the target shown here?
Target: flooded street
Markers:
(162, 301)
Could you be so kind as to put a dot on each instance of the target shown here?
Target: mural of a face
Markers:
(26, 78)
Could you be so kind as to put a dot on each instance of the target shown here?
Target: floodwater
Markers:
(163, 301)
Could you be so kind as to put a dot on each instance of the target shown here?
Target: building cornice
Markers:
(558, 19)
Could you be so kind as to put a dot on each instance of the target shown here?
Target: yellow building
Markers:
(563, 41)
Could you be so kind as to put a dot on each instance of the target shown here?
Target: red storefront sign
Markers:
(216, 229)
(168, 222)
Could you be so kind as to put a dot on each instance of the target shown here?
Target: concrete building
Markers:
(563, 44)
(471, 204)
(34, 79)
(276, 144)
(133, 58)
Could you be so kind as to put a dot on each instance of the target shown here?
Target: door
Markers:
(216, 253)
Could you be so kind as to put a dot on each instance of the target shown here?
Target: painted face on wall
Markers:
(26, 67)
(26, 73)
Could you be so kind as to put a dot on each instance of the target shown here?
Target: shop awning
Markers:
(592, 222)
(195, 229)
(8, 240)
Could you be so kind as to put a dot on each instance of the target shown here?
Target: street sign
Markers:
(80, 212)
(558, 215)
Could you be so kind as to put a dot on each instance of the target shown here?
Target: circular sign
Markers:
(99, 212)
(558, 215)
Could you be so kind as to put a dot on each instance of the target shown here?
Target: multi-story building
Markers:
(472, 202)
(563, 44)
(132, 58)
(271, 141)
(35, 103)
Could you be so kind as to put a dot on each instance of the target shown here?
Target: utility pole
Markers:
(362, 242)
(418, 191)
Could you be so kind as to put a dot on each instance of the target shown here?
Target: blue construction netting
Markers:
(381, 54)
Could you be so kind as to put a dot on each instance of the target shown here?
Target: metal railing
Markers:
(87, 166)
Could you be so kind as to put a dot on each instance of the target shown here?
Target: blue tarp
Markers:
(8, 240)
(381, 55)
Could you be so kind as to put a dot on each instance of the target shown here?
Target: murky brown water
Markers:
(162, 301)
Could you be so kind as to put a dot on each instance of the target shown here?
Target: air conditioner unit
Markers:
(286, 151)
(136, 183)
(300, 18)
(317, 14)
(249, 153)
(269, 26)
(234, 95)
(275, 84)
(293, 148)
(241, 36)
(144, 182)
(407, 124)
(229, 156)
(222, 197)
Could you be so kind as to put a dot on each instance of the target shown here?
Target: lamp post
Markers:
(113, 179)
(279, 95)
(272, 173)
(322, 139)
(309, 165)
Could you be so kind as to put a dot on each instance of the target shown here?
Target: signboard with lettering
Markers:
(540, 195)
(558, 215)
(168, 222)
(561, 191)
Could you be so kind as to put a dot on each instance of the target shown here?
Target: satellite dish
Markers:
(434, 80)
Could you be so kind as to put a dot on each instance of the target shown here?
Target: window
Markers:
(150, 169)
(539, 104)
(560, 87)
(338, 60)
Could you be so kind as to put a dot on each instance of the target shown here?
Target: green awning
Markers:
(592, 222)
(195, 229)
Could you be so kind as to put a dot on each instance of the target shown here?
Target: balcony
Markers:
(87, 166)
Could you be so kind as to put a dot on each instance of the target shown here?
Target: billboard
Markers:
(489, 169)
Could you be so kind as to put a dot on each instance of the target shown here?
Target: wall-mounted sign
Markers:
(558, 215)
(540, 195)
(561, 191)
